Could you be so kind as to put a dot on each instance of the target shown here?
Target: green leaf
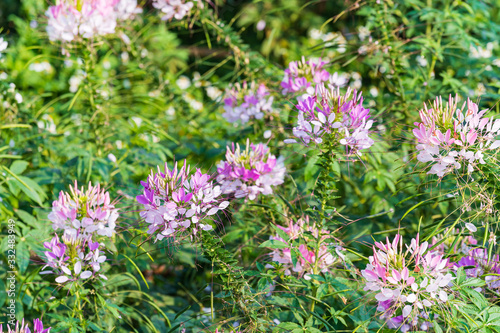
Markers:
(18, 167)
(274, 244)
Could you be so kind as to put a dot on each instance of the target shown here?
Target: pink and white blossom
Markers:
(22, 327)
(177, 9)
(73, 260)
(310, 260)
(245, 102)
(303, 76)
(407, 281)
(333, 117)
(250, 172)
(84, 212)
(452, 138)
(73, 19)
(175, 201)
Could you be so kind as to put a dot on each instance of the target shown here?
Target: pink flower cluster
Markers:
(334, 117)
(302, 76)
(23, 328)
(250, 172)
(176, 200)
(73, 259)
(451, 137)
(84, 213)
(244, 102)
(310, 261)
(177, 9)
(480, 266)
(407, 282)
(71, 19)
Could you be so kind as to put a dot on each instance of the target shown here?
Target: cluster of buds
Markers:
(177, 200)
(302, 76)
(177, 9)
(250, 172)
(244, 102)
(407, 282)
(84, 213)
(21, 327)
(479, 264)
(335, 118)
(451, 137)
(73, 260)
(71, 19)
(309, 259)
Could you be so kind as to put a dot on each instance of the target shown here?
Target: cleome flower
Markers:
(480, 265)
(177, 9)
(407, 282)
(71, 19)
(21, 327)
(302, 76)
(176, 200)
(330, 116)
(73, 259)
(244, 102)
(250, 172)
(310, 260)
(451, 138)
(83, 213)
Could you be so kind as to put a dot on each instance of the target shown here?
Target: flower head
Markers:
(87, 19)
(302, 76)
(334, 117)
(177, 200)
(309, 260)
(406, 281)
(74, 259)
(480, 265)
(21, 327)
(451, 137)
(250, 172)
(244, 102)
(177, 9)
(84, 212)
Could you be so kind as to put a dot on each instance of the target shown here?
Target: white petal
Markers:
(62, 279)
(78, 267)
(86, 275)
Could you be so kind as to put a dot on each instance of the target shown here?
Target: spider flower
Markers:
(71, 19)
(334, 117)
(479, 265)
(177, 200)
(303, 76)
(244, 102)
(407, 281)
(309, 260)
(451, 137)
(177, 9)
(21, 327)
(73, 259)
(84, 212)
(250, 172)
